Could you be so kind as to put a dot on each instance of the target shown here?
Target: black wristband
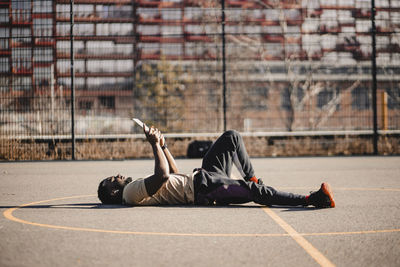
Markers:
(164, 146)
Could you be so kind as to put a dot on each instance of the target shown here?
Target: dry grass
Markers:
(13, 150)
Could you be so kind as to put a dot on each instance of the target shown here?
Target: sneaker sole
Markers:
(326, 188)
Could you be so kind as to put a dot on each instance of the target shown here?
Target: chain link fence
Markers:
(80, 70)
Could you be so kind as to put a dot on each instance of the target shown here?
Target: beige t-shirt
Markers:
(178, 189)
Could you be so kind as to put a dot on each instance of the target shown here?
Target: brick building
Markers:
(290, 65)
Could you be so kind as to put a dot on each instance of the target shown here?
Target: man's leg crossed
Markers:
(211, 188)
(227, 150)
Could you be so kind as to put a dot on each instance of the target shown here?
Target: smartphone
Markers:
(141, 124)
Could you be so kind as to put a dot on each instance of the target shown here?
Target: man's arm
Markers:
(161, 166)
(173, 168)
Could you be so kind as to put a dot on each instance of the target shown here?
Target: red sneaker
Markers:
(323, 198)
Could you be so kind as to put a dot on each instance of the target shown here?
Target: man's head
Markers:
(110, 189)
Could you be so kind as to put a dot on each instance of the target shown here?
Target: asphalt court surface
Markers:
(51, 217)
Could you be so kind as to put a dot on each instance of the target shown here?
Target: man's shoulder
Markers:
(134, 192)
(180, 175)
(138, 180)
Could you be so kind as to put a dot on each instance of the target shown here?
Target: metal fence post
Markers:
(374, 81)
(223, 61)
(71, 34)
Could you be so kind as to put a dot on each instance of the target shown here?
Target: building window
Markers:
(65, 83)
(393, 98)
(194, 29)
(171, 14)
(148, 13)
(327, 97)
(107, 101)
(43, 76)
(3, 15)
(84, 29)
(113, 11)
(42, 6)
(63, 29)
(233, 14)
(64, 66)
(22, 83)
(63, 11)
(194, 49)
(173, 31)
(272, 14)
(21, 59)
(360, 98)
(4, 84)
(4, 64)
(42, 29)
(85, 105)
(170, 49)
(109, 66)
(118, 29)
(149, 48)
(21, 11)
(148, 29)
(83, 10)
(256, 98)
(4, 36)
(43, 54)
(65, 47)
(21, 36)
(193, 13)
(286, 102)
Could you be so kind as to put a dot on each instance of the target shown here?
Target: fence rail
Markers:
(81, 69)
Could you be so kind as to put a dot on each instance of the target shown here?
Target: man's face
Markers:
(118, 181)
(111, 189)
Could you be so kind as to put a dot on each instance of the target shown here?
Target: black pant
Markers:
(213, 184)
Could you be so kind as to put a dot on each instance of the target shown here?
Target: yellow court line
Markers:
(352, 232)
(307, 246)
(367, 189)
(346, 188)
(9, 215)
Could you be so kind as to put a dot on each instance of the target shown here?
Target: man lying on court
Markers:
(209, 185)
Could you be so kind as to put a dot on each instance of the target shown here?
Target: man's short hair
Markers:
(109, 194)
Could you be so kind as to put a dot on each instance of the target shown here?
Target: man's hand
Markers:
(161, 166)
(162, 140)
(154, 136)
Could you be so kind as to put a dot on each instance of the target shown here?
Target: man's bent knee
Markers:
(233, 133)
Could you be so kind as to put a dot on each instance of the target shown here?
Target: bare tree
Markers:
(161, 94)
(300, 92)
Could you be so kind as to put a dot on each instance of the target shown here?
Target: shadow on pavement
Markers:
(101, 206)
(69, 206)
